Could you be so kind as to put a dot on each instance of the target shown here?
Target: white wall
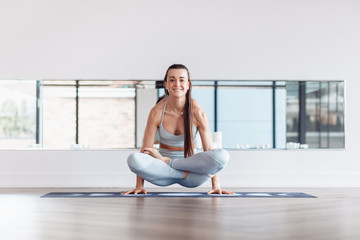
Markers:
(233, 39)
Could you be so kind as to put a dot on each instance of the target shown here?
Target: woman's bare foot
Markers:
(186, 174)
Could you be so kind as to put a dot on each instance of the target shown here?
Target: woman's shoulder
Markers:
(195, 104)
(160, 105)
(156, 111)
(198, 111)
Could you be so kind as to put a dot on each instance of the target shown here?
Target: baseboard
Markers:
(127, 180)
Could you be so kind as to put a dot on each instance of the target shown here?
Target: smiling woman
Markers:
(176, 161)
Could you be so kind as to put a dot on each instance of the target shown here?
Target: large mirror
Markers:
(111, 114)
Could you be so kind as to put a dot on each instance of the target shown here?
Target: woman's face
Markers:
(177, 82)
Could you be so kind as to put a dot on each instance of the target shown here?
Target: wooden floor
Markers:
(334, 215)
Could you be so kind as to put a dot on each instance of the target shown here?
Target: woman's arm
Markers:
(202, 123)
(139, 188)
(151, 127)
(216, 189)
(148, 142)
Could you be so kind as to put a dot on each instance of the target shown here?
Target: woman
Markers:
(178, 118)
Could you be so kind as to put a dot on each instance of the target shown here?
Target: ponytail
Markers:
(188, 119)
(188, 124)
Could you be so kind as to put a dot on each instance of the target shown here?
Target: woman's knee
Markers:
(135, 162)
(221, 156)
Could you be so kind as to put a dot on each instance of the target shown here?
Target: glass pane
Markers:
(205, 96)
(245, 116)
(280, 116)
(337, 131)
(313, 114)
(106, 116)
(59, 114)
(17, 114)
(292, 112)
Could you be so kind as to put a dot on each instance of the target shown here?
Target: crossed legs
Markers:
(200, 166)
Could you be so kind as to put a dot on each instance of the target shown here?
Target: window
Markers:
(319, 106)
(18, 103)
(98, 114)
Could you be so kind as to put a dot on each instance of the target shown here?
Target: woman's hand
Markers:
(218, 190)
(135, 191)
(155, 153)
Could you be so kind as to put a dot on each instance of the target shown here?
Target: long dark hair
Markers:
(188, 121)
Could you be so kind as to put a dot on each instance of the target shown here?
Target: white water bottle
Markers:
(217, 139)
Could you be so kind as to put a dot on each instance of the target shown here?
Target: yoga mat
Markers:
(177, 194)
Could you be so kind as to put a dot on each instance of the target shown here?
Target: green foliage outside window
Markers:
(15, 120)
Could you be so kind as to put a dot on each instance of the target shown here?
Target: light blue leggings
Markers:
(200, 166)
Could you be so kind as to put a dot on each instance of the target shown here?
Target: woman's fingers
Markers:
(134, 191)
(220, 192)
(216, 191)
(127, 192)
(142, 191)
(227, 192)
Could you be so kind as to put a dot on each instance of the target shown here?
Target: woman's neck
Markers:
(176, 104)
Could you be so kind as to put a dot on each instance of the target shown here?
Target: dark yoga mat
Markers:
(178, 194)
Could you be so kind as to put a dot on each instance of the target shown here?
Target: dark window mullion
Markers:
(77, 112)
(302, 112)
(274, 114)
(215, 106)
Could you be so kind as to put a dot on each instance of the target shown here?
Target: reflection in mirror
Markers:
(315, 114)
(98, 114)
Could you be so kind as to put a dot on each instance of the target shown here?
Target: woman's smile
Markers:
(178, 89)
